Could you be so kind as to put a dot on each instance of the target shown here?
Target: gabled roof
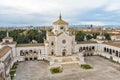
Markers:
(8, 38)
(30, 45)
(65, 33)
(59, 34)
(4, 50)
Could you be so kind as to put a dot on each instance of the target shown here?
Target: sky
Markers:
(44, 12)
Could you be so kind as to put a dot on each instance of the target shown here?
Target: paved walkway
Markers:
(38, 70)
(32, 70)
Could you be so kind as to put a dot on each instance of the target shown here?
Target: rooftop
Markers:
(30, 45)
(60, 21)
(8, 38)
(9, 43)
(50, 33)
(86, 42)
(4, 50)
(116, 44)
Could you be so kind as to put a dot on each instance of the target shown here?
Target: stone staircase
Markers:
(66, 60)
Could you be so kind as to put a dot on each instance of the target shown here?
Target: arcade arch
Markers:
(88, 50)
(29, 54)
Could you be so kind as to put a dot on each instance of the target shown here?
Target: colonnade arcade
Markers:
(88, 50)
(30, 54)
(112, 52)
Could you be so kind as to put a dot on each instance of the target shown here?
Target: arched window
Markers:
(83, 48)
(93, 48)
(26, 53)
(107, 50)
(86, 48)
(21, 53)
(52, 52)
(80, 49)
(61, 27)
(30, 51)
(90, 48)
(34, 51)
(116, 54)
(6, 41)
(52, 43)
(113, 51)
(110, 51)
(40, 51)
(104, 49)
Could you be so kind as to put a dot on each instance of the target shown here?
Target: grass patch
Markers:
(46, 61)
(86, 66)
(14, 66)
(12, 77)
(55, 70)
(13, 70)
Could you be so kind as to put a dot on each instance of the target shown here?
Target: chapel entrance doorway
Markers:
(64, 52)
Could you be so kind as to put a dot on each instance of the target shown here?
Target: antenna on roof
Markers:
(60, 17)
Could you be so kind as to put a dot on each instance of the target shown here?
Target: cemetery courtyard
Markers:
(39, 70)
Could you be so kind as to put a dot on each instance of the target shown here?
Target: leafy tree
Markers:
(2, 35)
(107, 36)
(79, 36)
(89, 37)
(95, 35)
(25, 36)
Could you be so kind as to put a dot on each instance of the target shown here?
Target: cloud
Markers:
(38, 6)
(44, 12)
(113, 5)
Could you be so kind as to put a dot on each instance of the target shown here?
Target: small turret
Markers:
(7, 39)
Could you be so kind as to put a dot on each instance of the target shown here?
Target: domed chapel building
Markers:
(60, 40)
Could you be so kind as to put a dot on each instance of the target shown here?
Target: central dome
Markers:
(60, 22)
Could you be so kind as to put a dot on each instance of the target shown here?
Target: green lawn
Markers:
(86, 66)
(56, 70)
(13, 70)
(14, 66)
(46, 61)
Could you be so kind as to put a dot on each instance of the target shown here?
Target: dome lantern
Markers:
(60, 21)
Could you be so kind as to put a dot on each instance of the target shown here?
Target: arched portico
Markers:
(29, 54)
(30, 58)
